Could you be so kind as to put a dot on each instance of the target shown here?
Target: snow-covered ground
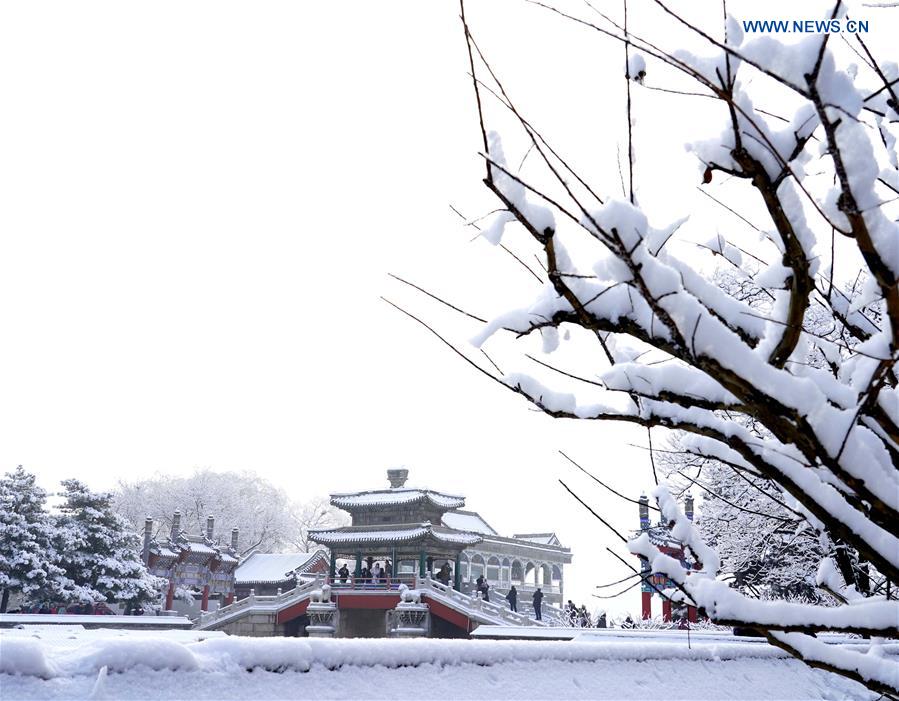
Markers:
(111, 621)
(62, 662)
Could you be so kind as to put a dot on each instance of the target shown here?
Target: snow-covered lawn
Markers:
(71, 663)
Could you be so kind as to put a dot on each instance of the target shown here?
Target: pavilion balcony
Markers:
(339, 584)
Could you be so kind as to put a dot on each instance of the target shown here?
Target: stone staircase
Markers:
(484, 612)
(253, 604)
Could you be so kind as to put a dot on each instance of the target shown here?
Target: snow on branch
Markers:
(785, 369)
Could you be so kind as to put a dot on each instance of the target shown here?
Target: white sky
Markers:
(199, 206)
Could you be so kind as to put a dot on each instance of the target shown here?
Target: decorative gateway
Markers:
(192, 563)
(653, 582)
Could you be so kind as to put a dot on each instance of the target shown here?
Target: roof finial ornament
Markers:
(397, 477)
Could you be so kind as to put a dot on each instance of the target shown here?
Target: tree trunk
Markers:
(4, 601)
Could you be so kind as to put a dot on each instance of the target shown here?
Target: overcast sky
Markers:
(199, 206)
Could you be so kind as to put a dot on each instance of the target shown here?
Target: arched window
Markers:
(463, 567)
(557, 576)
(547, 575)
(477, 567)
(530, 574)
(493, 569)
(517, 572)
(504, 573)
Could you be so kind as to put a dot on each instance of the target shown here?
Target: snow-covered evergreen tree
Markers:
(99, 551)
(27, 531)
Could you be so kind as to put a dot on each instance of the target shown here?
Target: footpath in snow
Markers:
(57, 662)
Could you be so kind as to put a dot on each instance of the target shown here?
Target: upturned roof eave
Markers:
(345, 500)
(406, 534)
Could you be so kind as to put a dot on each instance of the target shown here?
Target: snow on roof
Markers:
(272, 567)
(198, 547)
(397, 534)
(451, 535)
(661, 537)
(395, 497)
(163, 550)
(467, 521)
(539, 538)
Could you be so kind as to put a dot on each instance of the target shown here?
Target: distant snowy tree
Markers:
(99, 551)
(27, 555)
(268, 519)
(767, 550)
(815, 172)
(313, 514)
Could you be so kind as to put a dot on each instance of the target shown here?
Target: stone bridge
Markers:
(323, 607)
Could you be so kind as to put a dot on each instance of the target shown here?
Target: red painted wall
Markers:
(447, 614)
(292, 612)
(362, 601)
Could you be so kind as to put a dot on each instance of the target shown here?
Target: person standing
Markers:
(344, 573)
(583, 619)
(538, 604)
(483, 587)
(512, 598)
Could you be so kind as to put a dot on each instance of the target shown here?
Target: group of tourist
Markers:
(372, 572)
(482, 586)
(579, 617)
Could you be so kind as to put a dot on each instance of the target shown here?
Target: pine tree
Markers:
(100, 553)
(27, 532)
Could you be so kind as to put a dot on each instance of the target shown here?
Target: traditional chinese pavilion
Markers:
(404, 567)
(416, 531)
(653, 582)
(400, 527)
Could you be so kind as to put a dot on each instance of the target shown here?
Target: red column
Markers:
(647, 605)
(204, 604)
(691, 614)
(666, 610)
(170, 596)
(229, 599)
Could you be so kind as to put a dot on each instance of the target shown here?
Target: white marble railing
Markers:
(496, 613)
(274, 602)
(474, 606)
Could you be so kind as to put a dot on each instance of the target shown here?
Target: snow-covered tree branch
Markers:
(673, 350)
